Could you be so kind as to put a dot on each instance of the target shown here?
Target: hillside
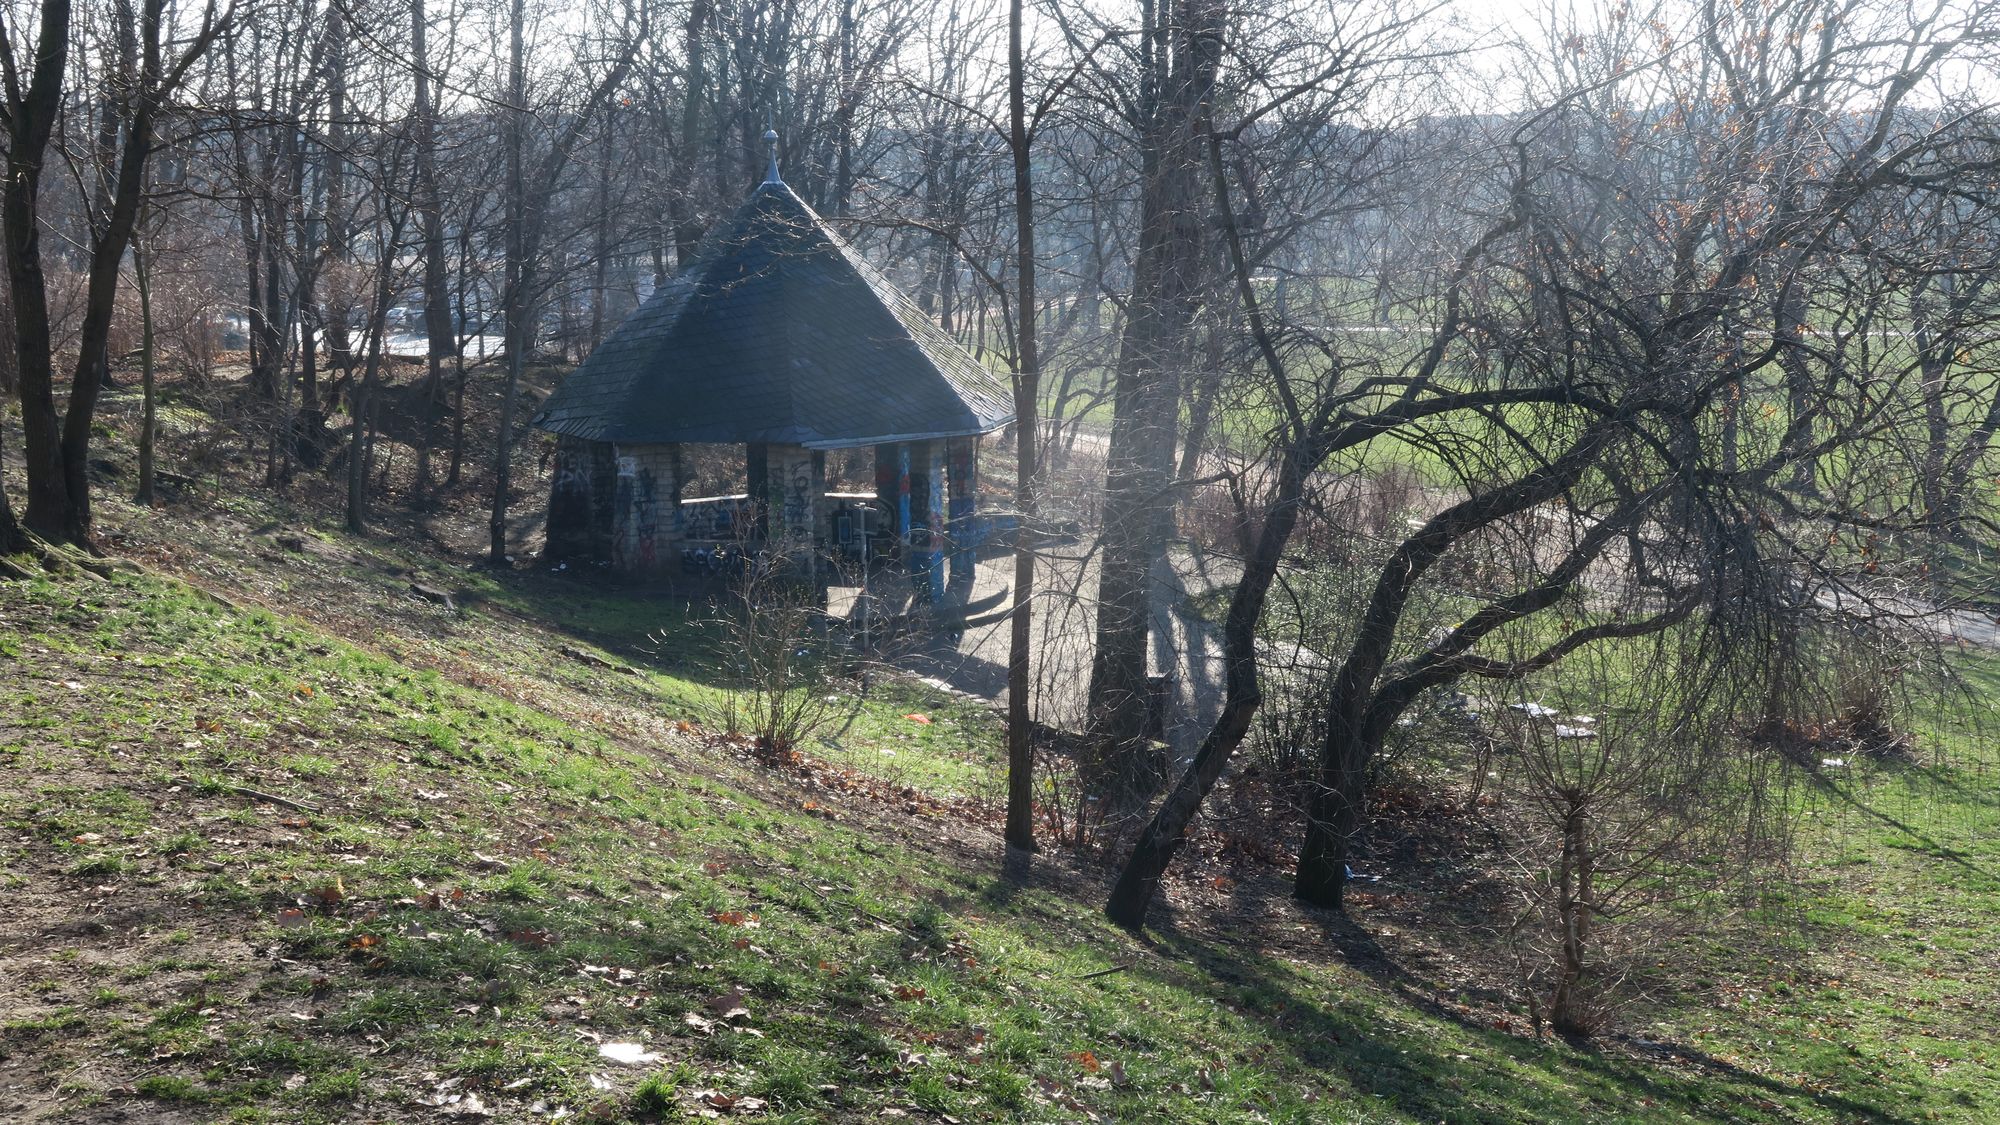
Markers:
(286, 842)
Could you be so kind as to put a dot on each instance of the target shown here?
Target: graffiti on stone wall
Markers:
(622, 551)
(799, 497)
(636, 519)
(645, 513)
(964, 479)
(572, 473)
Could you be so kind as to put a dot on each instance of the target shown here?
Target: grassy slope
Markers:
(597, 871)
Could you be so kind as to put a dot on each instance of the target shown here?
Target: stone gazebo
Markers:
(781, 339)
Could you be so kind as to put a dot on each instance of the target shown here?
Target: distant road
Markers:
(417, 347)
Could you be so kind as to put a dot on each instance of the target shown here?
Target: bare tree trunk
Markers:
(439, 336)
(12, 539)
(253, 228)
(361, 441)
(1569, 1011)
(1359, 707)
(1139, 882)
(1167, 286)
(687, 231)
(31, 122)
(121, 64)
(452, 474)
(518, 333)
(339, 344)
(1800, 400)
(1201, 409)
(1027, 480)
(142, 277)
(843, 114)
(602, 251)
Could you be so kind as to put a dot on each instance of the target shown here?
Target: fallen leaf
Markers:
(729, 1005)
(907, 992)
(918, 718)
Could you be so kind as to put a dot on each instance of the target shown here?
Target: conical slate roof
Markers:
(779, 332)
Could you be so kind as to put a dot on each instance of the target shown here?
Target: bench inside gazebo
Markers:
(783, 341)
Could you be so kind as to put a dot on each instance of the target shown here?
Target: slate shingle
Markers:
(779, 332)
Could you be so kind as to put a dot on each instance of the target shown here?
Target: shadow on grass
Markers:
(1930, 844)
(1432, 1081)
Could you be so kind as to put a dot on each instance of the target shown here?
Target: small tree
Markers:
(779, 662)
(1634, 804)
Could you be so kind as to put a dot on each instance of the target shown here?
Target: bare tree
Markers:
(527, 190)
(1570, 378)
(58, 443)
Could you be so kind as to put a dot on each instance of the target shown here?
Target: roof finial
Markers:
(771, 139)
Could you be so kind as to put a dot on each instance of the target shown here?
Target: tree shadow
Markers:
(1433, 1082)
(1930, 844)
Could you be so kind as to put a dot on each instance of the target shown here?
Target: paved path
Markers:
(1188, 649)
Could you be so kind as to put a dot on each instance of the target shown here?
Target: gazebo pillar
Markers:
(794, 483)
(963, 454)
(900, 499)
(888, 473)
(927, 563)
(794, 492)
(582, 500)
(645, 516)
(757, 487)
